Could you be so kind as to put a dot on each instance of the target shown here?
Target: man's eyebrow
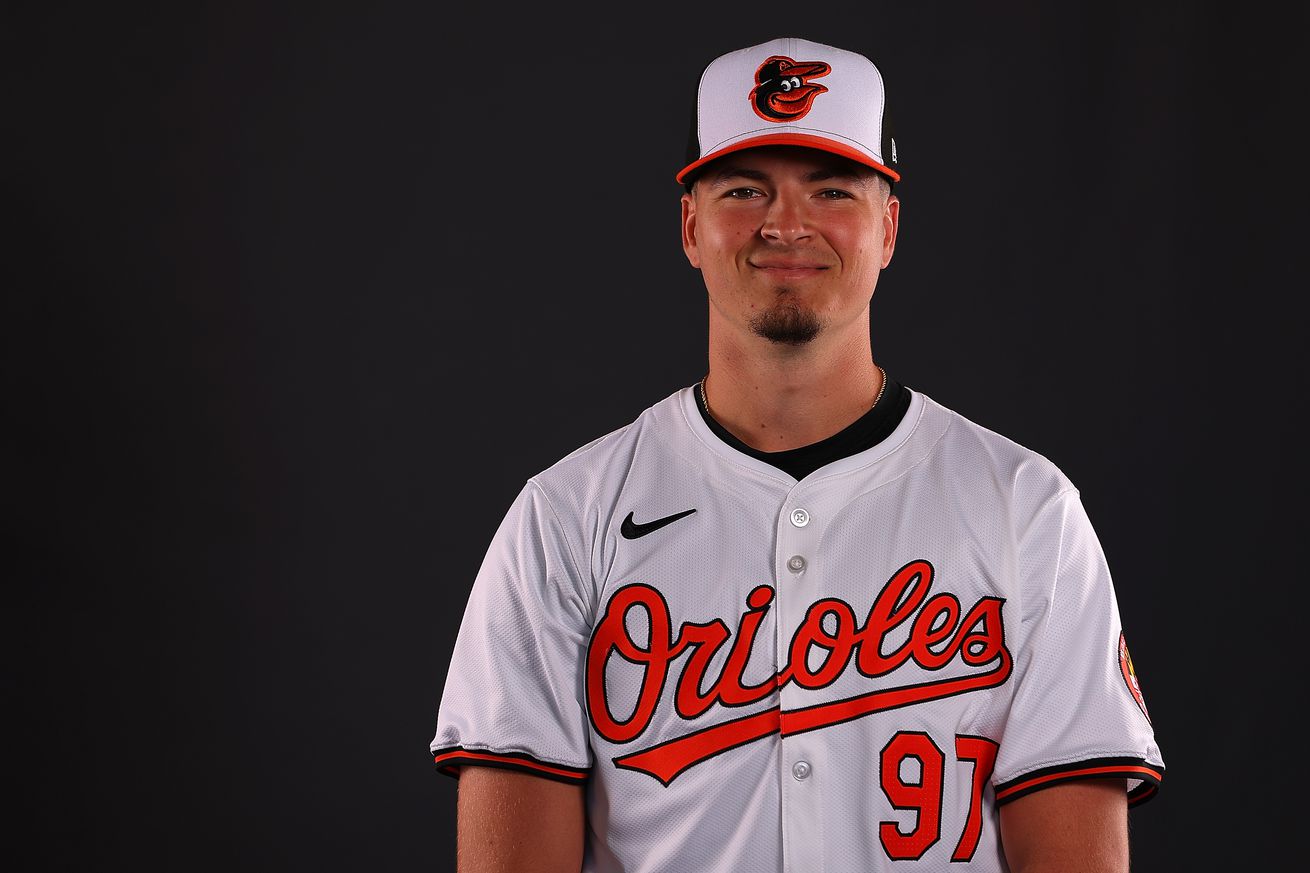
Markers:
(858, 177)
(725, 175)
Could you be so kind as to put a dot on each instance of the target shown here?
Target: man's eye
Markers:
(834, 194)
(743, 193)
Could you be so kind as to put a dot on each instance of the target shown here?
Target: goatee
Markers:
(786, 323)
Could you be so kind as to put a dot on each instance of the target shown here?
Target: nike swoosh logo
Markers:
(631, 530)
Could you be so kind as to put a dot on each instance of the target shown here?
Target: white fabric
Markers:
(993, 526)
(850, 111)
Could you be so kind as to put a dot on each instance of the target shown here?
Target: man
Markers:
(798, 616)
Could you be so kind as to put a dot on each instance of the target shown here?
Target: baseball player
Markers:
(798, 616)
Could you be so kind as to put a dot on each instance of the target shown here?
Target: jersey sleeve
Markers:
(1077, 710)
(514, 692)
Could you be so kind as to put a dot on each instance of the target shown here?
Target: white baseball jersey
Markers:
(748, 672)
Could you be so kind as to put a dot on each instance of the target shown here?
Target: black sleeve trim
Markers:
(449, 760)
(1148, 776)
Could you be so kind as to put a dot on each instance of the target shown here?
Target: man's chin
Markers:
(787, 325)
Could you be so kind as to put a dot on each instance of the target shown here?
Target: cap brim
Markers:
(793, 139)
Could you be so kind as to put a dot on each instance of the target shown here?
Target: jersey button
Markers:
(801, 770)
(796, 563)
(800, 517)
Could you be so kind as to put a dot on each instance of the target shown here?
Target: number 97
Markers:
(924, 794)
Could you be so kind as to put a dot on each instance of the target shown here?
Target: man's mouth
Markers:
(788, 268)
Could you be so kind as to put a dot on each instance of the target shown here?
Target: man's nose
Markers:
(786, 220)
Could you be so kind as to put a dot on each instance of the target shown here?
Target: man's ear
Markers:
(689, 230)
(891, 219)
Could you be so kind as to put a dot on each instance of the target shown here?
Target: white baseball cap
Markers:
(792, 92)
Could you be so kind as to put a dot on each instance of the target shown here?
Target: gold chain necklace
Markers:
(705, 403)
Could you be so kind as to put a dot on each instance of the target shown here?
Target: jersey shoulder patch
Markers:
(1130, 676)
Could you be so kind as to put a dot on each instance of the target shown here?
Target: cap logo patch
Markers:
(1130, 676)
(783, 90)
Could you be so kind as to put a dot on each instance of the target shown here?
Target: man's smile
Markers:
(787, 268)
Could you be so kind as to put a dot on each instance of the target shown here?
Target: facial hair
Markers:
(786, 323)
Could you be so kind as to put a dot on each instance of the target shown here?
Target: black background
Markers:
(296, 300)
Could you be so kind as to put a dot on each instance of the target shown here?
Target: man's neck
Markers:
(774, 399)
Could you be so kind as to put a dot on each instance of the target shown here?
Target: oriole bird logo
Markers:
(783, 90)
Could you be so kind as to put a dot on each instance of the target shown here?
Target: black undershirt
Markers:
(865, 432)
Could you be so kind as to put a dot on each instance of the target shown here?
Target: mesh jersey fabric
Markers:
(948, 640)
